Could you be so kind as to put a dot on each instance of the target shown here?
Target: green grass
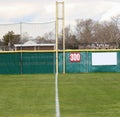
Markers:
(90, 95)
(27, 96)
(80, 95)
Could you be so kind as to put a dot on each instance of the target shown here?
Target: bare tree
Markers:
(84, 31)
(40, 39)
(100, 34)
(25, 37)
(116, 21)
(70, 39)
(105, 33)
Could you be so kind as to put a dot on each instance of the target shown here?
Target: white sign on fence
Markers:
(104, 58)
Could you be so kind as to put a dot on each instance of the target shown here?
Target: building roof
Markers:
(26, 45)
(29, 43)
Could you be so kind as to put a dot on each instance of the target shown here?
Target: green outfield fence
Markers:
(44, 61)
(27, 62)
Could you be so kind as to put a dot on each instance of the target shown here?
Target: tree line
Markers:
(93, 34)
(86, 34)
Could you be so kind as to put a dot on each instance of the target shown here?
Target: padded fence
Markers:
(44, 62)
(91, 61)
(38, 62)
(10, 63)
(27, 63)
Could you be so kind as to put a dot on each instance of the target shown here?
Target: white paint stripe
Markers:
(56, 96)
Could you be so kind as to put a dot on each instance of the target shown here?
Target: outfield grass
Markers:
(80, 95)
(90, 95)
(27, 96)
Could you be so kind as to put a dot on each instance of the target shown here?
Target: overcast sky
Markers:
(16, 11)
(44, 10)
